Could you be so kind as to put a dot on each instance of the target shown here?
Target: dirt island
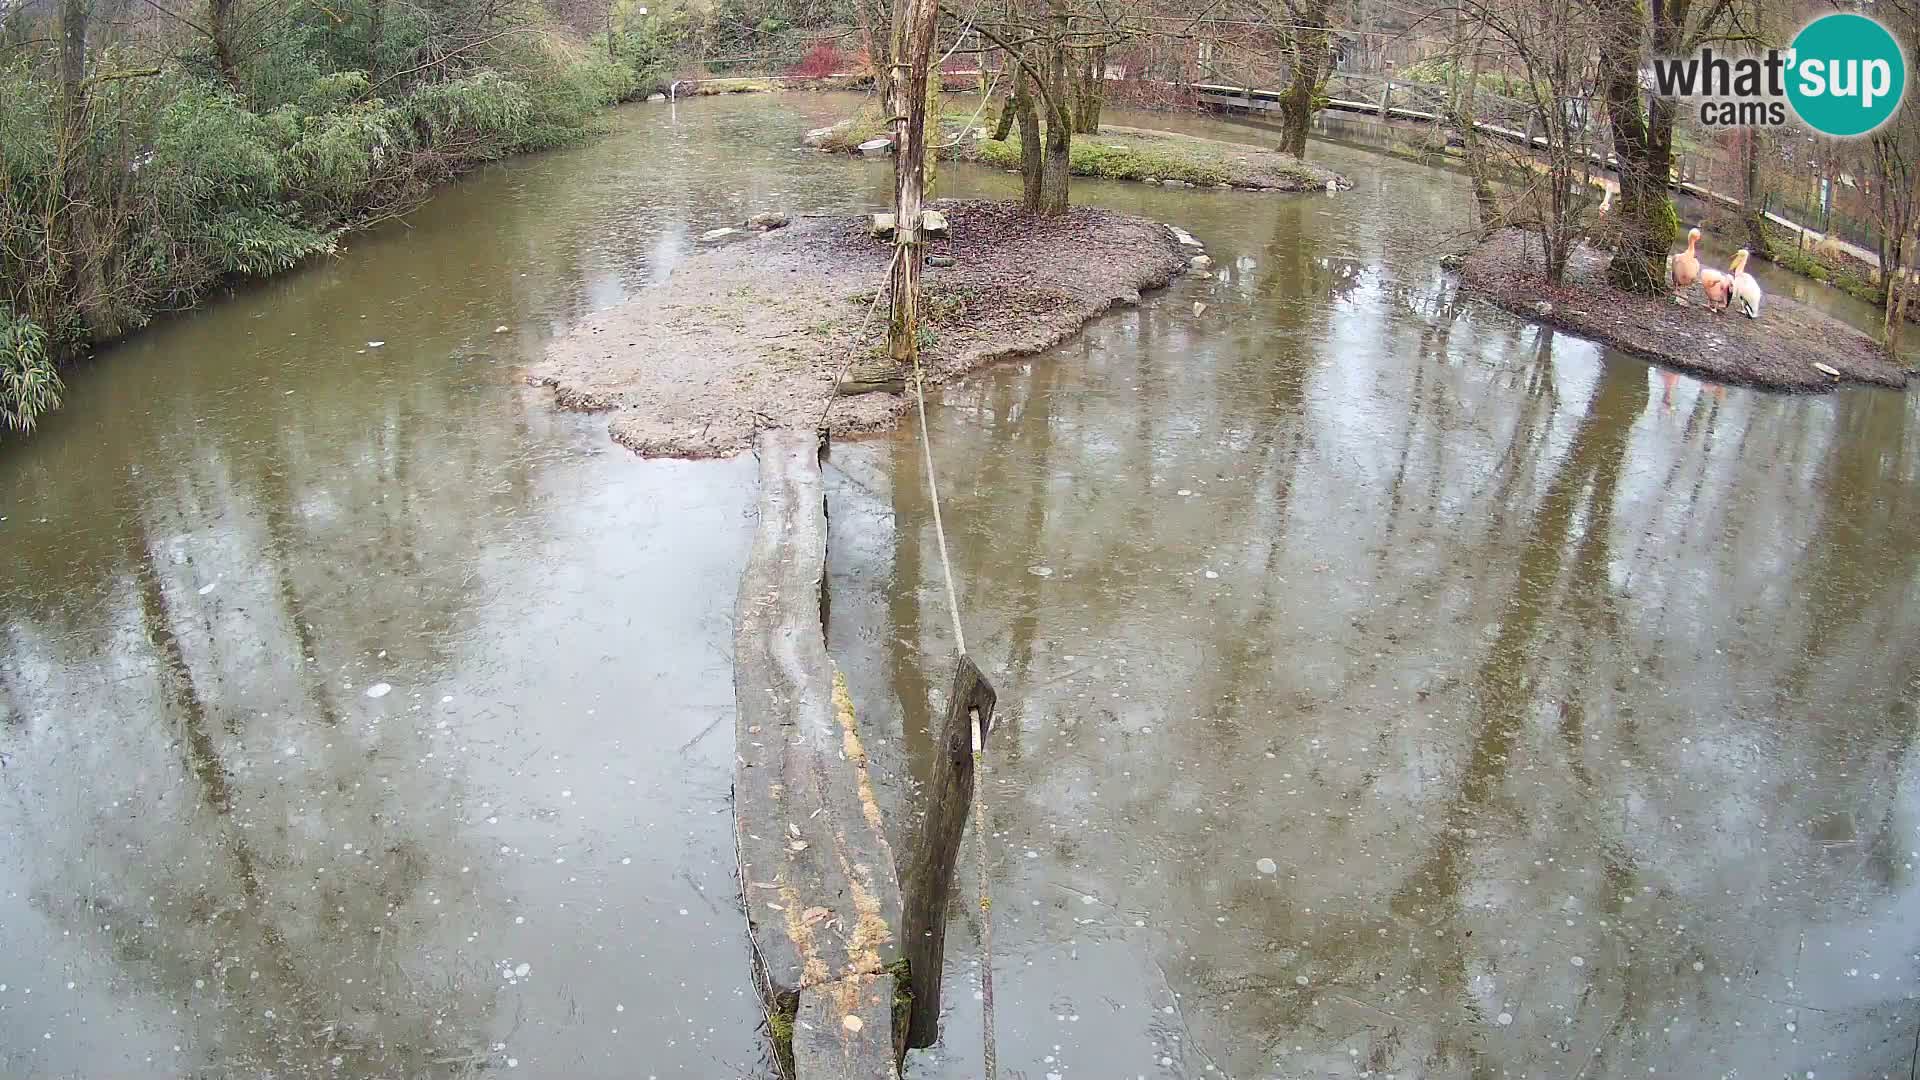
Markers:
(755, 331)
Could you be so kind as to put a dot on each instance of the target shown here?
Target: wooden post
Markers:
(1386, 97)
(927, 884)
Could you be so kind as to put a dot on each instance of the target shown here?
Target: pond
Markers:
(1388, 685)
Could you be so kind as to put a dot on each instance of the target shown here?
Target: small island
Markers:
(1783, 349)
(756, 332)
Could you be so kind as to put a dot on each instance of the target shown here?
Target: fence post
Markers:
(927, 884)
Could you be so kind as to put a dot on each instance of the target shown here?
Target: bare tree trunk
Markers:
(1647, 218)
(1486, 206)
(1009, 109)
(73, 58)
(1089, 91)
(377, 36)
(1055, 174)
(1031, 152)
(1753, 203)
(1893, 270)
(1307, 56)
(59, 219)
(910, 135)
(220, 30)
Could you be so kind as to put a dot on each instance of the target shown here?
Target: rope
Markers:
(939, 528)
(989, 1054)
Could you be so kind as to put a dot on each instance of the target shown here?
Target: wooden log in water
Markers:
(816, 873)
(928, 884)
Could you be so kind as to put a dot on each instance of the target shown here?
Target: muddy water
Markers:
(1391, 687)
(361, 717)
(221, 854)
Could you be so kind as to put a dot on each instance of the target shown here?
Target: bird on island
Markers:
(1744, 289)
(1718, 286)
(1684, 269)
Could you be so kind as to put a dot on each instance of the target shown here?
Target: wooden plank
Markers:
(928, 885)
(816, 873)
(844, 1030)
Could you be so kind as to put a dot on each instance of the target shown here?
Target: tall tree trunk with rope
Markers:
(912, 60)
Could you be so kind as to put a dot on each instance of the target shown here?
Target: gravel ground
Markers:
(1776, 351)
(754, 333)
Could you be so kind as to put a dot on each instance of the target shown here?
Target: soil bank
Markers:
(1114, 153)
(1776, 351)
(755, 333)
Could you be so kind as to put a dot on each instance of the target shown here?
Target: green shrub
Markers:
(177, 180)
(29, 385)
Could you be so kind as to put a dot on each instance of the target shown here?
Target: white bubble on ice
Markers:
(208, 587)
(379, 690)
(1267, 866)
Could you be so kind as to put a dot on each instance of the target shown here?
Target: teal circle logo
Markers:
(1848, 75)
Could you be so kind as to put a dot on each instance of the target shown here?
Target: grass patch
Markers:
(780, 1026)
(1127, 154)
(902, 1002)
(1113, 161)
(1847, 275)
(864, 126)
(711, 87)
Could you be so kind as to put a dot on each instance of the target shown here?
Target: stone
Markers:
(1454, 261)
(1200, 262)
(1827, 370)
(656, 98)
(933, 225)
(1223, 187)
(876, 147)
(982, 133)
(871, 375)
(766, 220)
(940, 260)
(719, 234)
(1154, 180)
(1186, 238)
(1542, 308)
(818, 136)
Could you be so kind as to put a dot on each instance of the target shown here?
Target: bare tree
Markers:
(1896, 169)
(1550, 43)
(1642, 124)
